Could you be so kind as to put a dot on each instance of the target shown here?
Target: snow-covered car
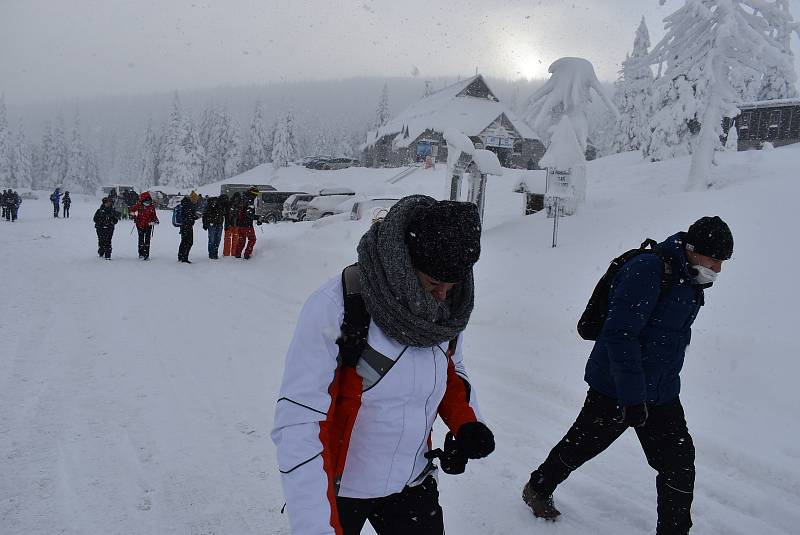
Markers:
(295, 206)
(373, 209)
(325, 205)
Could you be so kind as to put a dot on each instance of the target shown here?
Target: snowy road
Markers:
(137, 397)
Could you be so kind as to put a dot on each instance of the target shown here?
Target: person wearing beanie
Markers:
(104, 220)
(354, 416)
(633, 372)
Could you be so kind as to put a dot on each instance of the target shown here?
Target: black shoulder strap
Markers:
(355, 326)
(666, 274)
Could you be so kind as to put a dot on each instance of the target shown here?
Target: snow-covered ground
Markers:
(137, 397)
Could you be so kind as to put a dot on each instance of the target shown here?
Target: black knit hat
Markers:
(444, 239)
(710, 236)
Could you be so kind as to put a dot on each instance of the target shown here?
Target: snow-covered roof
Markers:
(768, 103)
(450, 107)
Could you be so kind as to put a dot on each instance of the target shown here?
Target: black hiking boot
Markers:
(541, 506)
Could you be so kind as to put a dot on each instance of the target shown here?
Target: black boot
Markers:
(541, 506)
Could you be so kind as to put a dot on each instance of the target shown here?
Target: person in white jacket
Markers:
(376, 356)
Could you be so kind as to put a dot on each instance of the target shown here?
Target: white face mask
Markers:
(704, 275)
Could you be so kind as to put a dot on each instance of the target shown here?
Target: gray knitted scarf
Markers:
(392, 292)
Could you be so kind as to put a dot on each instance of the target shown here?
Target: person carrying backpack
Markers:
(66, 201)
(104, 220)
(354, 416)
(634, 368)
(186, 222)
(213, 218)
(55, 198)
(144, 217)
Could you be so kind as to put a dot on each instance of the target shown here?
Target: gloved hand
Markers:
(633, 415)
(205, 227)
(475, 440)
(451, 460)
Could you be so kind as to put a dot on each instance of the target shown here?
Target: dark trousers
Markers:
(214, 237)
(66, 210)
(104, 236)
(665, 440)
(144, 241)
(187, 239)
(13, 211)
(415, 510)
(55, 209)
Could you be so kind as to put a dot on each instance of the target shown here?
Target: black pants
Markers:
(187, 239)
(415, 511)
(66, 210)
(665, 440)
(144, 241)
(55, 209)
(104, 236)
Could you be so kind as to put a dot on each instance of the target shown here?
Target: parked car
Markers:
(269, 205)
(294, 208)
(330, 164)
(374, 208)
(325, 204)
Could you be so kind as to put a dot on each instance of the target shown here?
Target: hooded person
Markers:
(55, 198)
(245, 215)
(354, 417)
(186, 229)
(67, 202)
(633, 372)
(104, 220)
(144, 217)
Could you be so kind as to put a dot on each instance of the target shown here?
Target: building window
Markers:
(774, 124)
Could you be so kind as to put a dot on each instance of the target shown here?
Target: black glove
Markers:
(451, 460)
(475, 440)
(633, 415)
(205, 227)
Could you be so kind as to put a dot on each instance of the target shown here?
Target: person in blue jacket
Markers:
(633, 372)
(55, 198)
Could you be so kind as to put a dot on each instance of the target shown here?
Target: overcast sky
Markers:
(80, 48)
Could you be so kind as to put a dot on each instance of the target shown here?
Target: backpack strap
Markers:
(353, 338)
(666, 274)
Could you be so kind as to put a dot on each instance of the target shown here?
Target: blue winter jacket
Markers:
(639, 352)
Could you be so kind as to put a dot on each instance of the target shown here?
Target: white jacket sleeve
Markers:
(303, 403)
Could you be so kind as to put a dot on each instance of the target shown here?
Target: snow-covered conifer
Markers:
(220, 140)
(632, 96)
(779, 79)
(258, 149)
(382, 114)
(566, 92)
(58, 155)
(705, 41)
(5, 146)
(21, 170)
(284, 145)
(182, 155)
(149, 156)
(75, 179)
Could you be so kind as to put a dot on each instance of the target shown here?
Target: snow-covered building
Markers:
(468, 106)
(773, 121)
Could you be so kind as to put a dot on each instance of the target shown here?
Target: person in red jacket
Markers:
(144, 216)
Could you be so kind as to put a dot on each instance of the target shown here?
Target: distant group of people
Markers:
(60, 200)
(10, 202)
(231, 218)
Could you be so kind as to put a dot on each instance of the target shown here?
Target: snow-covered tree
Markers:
(181, 160)
(779, 81)
(705, 42)
(284, 145)
(21, 170)
(382, 114)
(57, 155)
(5, 146)
(632, 96)
(220, 139)
(149, 156)
(259, 143)
(566, 92)
(76, 160)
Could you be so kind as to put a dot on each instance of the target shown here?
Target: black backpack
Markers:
(594, 316)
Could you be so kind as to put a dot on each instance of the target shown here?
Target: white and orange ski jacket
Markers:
(388, 424)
